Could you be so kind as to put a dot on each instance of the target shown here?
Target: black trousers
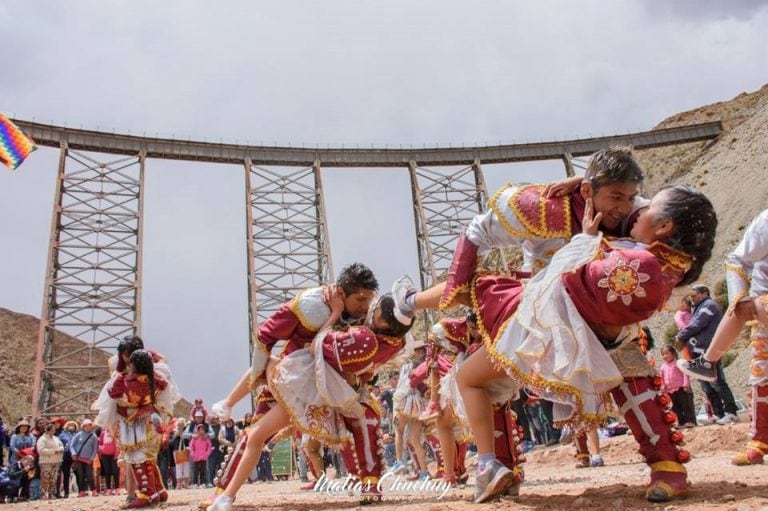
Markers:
(719, 394)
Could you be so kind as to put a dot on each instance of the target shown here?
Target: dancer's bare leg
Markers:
(312, 449)
(730, 327)
(240, 390)
(429, 298)
(472, 378)
(447, 441)
(130, 482)
(275, 420)
(400, 436)
(414, 439)
(593, 442)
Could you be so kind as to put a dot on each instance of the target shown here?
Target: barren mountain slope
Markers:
(18, 345)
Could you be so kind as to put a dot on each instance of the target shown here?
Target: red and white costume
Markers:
(747, 278)
(140, 433)
(296, 323)
(408, 400)
(521, 216)
(322, 389)
(543, 335)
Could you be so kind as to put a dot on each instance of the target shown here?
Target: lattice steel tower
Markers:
(93, 278)
(287, 236)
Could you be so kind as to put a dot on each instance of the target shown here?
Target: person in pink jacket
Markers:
(108, 457)
(200, 448)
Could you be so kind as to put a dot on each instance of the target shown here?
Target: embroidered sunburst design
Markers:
(623, 280)
(319, 419)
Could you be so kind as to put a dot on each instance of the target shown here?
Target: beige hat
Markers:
(22, 422)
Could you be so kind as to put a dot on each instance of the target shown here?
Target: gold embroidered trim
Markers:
(299, 314)
(668, 466)
(738, 270)
(670, 258)
(446, 303)
(534, 231)
(537, 384)
(757, 444)
(296, 421)
(736, 299)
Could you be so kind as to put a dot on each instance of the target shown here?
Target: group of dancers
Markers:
(599, 260)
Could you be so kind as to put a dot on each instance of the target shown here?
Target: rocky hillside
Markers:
(732, 170)
(18, 345)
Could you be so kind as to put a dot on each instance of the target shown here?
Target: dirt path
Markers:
(551, 484)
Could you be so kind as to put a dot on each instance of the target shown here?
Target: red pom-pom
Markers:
(664, 400)
(658, 381)
(676, 437)
(683, 456)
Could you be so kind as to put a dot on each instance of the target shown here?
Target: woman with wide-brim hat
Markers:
(21, 439)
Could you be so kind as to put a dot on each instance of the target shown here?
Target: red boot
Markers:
(582, 451)
(642, 406)
(507, 446)
(757, 447)
(145, 485)
(437, 452)
(460, 465)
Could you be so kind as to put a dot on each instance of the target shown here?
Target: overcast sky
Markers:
(330, 73)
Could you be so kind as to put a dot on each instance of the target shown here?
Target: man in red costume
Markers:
(296, 322)
(569, 335)
(321, 390)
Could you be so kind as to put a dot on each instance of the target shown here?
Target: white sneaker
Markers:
(221, 410)
(492, 482)
(728, 418)
(708, 421)
(397, 468)
(400, 289)
(222, 503)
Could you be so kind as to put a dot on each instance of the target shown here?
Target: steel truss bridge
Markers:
(93, 276)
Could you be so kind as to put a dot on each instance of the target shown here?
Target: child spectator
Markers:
(682, 318)
(108, 456)
(678, 387)
(198, 408)
(200, 448)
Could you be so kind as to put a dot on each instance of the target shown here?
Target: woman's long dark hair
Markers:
(695, 225)
(126, 346)
(396, 329)
(143, 364)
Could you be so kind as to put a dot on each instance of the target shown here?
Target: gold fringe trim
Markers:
(668, 466)
(296, 421)
(537, 384)
(736, 299)
(446, 303)
(738, 270)
(296, 309)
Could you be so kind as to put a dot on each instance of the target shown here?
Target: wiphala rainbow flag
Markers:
(15, 146)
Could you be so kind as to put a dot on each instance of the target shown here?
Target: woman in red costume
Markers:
(135, 392)
(570, 334)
